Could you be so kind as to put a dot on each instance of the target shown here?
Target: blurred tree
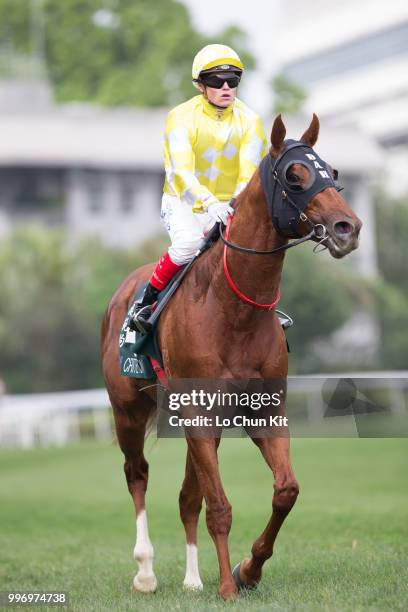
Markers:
(318, 305)
(38, 327)
(392, 244)
(51, 305)
(289, 97)
(392, 313)
(121, 52)
(95, 272)
(392, 290)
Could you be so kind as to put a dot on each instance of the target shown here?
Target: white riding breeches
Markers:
(186, 228)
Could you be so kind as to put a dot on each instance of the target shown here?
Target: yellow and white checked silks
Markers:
(210, 154)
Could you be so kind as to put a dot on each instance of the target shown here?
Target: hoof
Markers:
(144, 584)
(193, 585)
(236, 573)
(228, 593)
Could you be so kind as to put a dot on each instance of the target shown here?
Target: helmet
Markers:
(215, 57)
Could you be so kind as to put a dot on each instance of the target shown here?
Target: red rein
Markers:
(233, 286)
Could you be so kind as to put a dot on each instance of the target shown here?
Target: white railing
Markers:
(60, 418)
(53, 418)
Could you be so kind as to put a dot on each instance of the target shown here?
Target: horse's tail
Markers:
(151, 426)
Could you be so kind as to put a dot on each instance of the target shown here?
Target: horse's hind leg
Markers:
(131, 420)
(276, 453)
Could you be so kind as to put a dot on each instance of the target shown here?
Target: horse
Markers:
(202, 332)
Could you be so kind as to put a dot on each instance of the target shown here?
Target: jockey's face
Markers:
(223, 97)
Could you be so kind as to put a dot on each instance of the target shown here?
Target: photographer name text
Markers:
(237, 421)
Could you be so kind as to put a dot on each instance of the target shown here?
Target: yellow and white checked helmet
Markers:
(215, 56)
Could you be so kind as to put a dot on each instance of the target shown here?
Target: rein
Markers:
(284, 247)
(233, 286)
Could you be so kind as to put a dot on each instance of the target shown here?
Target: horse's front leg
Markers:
(203, 453)
(190, 501)
(276, 452)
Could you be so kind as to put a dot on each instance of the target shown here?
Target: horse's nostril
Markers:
(343, 229)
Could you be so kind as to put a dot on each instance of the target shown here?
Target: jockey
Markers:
(213, 144)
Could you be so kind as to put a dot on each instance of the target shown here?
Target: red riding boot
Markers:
(162, 275)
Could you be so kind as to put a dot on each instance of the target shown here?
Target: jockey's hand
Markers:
(220, 212)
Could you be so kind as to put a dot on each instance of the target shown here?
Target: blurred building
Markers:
(352, 59)
(94, 171)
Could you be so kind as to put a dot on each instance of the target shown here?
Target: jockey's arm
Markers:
(253, 149)
(179, 163)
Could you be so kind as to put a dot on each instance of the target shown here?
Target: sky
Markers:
(259, 19)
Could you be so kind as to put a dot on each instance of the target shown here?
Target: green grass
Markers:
(67, 523)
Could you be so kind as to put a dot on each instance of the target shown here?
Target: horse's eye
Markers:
(292, 177)
(298, 176)
(291, 174)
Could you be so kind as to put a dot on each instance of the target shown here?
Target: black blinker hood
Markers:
(284, 202)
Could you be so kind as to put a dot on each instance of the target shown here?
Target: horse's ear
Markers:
(277, 135)
(312, 133)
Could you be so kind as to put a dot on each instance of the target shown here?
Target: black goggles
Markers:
(216, 81)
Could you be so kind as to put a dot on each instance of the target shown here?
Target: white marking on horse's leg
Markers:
(143, 553)
(192, 579)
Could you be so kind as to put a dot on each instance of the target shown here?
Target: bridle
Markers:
(283, 206)
(273, 177)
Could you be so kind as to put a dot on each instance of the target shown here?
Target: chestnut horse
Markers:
(202, 334)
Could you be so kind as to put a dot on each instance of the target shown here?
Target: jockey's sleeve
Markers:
(179, 164)
(253, 148)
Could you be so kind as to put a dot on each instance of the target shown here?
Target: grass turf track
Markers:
(67, 523)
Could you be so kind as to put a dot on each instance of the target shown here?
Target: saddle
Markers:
(140, 355)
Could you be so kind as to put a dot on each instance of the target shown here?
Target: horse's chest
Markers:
(242, 355)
